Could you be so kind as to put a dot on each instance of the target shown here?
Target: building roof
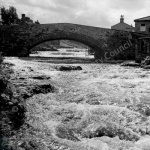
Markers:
(143, 19)
(122, 26)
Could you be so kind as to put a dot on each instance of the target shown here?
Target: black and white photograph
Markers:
(74, 74)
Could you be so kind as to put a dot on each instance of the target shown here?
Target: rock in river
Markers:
(68, 68)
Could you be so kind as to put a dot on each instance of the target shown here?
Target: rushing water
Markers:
(67, 52)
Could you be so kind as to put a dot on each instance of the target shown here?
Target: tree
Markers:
(9, 16)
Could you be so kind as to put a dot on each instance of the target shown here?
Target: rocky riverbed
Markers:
(96, 107)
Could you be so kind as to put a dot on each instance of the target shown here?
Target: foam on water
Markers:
(82, 53)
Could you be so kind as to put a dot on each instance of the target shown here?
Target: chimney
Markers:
(122, 19)
(23, 16)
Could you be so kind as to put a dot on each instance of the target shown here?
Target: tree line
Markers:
(9, 16)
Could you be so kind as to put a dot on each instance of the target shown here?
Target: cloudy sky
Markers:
(101, 13)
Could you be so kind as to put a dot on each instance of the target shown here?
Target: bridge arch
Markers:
(89, 41)
(19, 40)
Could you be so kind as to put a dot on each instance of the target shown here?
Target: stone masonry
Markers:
(20, 39)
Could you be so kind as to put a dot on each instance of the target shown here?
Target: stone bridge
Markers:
(18, 40)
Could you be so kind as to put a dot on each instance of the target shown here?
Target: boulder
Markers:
(68, 68)
(37, 89)
(42, 77)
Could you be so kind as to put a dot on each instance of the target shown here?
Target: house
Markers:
(123, 26)
(142, 24)
(25, 20)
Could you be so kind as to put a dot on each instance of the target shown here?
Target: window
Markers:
(143, 27)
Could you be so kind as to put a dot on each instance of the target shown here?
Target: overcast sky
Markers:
(101, 13)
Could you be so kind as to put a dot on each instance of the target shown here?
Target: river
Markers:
(102, 106)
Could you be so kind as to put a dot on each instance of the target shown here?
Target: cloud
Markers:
(128, 5)
(89, 12)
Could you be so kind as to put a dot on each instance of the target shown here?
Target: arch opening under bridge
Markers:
(86, 40)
